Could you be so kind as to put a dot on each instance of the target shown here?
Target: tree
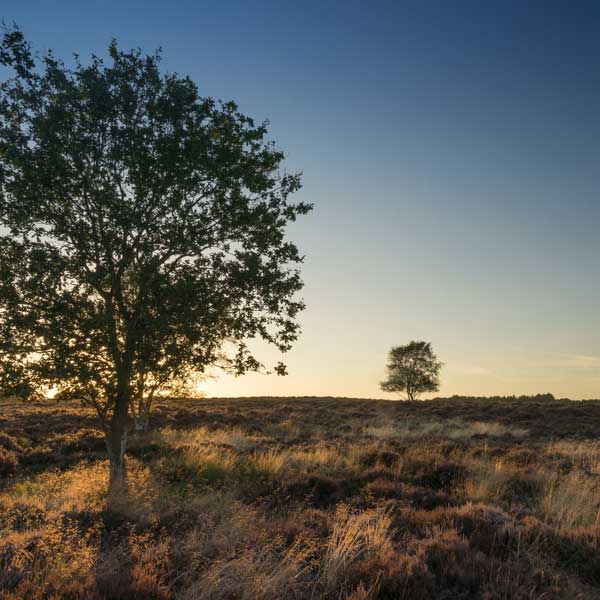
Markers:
(413, 369)
(144, 233)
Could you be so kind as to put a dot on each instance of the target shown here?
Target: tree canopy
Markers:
(143, 231)
(413, 369)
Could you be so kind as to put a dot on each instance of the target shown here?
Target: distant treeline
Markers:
(534, 397)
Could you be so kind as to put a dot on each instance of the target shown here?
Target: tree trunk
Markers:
(117, 474)
(141, 415)
(116, 443)
(141, 424)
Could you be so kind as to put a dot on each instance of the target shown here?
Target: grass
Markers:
(355, 537)
(304, 499)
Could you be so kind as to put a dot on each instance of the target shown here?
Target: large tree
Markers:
(413, 369)
(143, 233)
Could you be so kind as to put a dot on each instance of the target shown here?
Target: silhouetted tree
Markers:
(413, 369)
(144, 232)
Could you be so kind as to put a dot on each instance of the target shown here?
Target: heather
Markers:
(305, 498)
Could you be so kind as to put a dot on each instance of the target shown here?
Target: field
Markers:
(306, 498)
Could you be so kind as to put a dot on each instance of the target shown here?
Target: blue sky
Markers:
(452, 150)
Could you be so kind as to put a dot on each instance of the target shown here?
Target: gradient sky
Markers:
(452, 150)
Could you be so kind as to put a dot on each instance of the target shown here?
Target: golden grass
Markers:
(451, 429)
(354, 537)
(270, 462)
(485, 481)
(261, 573)
(79, 488)
(203, 462)
(235, 437)
(571, 501)
(585, 455)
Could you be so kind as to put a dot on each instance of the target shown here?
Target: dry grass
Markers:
(234, 437)
(571, 501)
(355, 537)
(305, 499)
(452, 429)
(270, 462)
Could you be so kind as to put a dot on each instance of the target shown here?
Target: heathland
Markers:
(305, 498)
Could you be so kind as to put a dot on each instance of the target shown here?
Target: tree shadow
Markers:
(113, 568)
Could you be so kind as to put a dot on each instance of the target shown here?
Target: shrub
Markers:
(9, 461)
(419, 497)
(440, 476)
(319, 490)
(8, 442)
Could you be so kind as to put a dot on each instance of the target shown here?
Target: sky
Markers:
(451, 150)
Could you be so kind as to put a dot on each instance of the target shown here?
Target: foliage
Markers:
(413, 369)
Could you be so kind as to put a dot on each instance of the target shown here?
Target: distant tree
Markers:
(413, 369)
(144, 233)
